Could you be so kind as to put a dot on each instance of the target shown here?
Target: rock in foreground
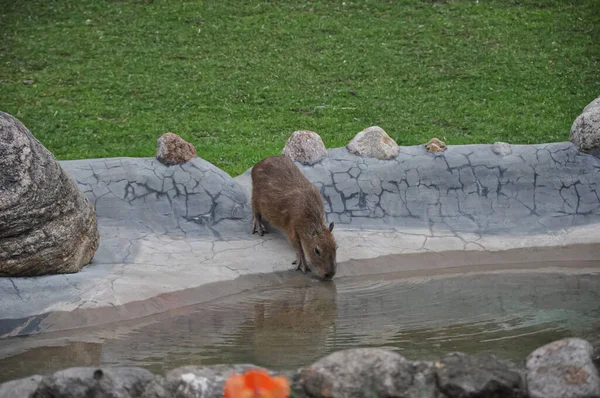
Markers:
(367, 372)
(194, 381)
(462, 375)
(93, 382)
(47, 226)
(20, 388)
(563, 369)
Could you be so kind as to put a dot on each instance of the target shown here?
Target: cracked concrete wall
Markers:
(143, 194)
(468, 188)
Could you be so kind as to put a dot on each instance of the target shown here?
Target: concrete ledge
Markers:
(170, 229)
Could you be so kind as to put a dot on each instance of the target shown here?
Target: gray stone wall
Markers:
(144, 194)
(470, 188)
(473, 188)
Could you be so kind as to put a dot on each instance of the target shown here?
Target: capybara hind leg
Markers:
(257, 225)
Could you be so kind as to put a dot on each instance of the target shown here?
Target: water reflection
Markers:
(49, 359)
(295, 329)
(300, 320)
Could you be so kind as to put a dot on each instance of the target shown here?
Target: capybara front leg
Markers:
(257, 225)
(300, 260)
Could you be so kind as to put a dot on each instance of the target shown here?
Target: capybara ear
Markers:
(331, 227)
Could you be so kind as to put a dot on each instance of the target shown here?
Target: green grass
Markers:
(235, 78)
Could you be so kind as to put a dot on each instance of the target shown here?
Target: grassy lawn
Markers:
(235, 77)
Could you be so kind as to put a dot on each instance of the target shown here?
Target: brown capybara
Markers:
(288, 201)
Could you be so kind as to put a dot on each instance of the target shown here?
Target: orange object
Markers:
(256, 384)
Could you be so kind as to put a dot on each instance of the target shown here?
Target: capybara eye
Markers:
(317, 251)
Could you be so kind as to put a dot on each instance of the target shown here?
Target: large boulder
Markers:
(47, 226)
(585, 131)
(563, 369)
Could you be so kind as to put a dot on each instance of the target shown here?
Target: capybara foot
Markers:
(258, 227)
(301, 267)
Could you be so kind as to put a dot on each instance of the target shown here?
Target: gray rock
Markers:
(564, 369)
(464, 376)
(46, 225)
(594, 105)
(373, 142)
(122, 382)
(501, 148)
(585, 131)
(171, 149)
(305, 147)
(21, 388)
(195, 381)
(366, 372)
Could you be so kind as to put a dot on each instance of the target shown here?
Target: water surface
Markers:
(295, 322)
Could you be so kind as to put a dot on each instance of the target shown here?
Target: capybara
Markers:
(289, 201)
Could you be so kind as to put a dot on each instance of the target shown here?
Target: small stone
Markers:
(565, 369)
(460, 375)
(585, 131)
(366, 372)
(305, 147)
(28, 82)
(123, 382)
(373, 142)
(502, 148)
(172, 150)
(435, 145)
(20, 388)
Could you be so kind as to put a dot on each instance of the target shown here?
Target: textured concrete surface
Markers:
(143, 195)
(167, 229)
(470, 188)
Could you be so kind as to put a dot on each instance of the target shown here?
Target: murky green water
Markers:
(294, 324)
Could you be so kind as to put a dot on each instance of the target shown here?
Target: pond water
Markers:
(297, 321)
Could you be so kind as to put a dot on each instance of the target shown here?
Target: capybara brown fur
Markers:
(289, 201)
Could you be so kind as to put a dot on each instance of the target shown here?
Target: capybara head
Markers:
(320, 250)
